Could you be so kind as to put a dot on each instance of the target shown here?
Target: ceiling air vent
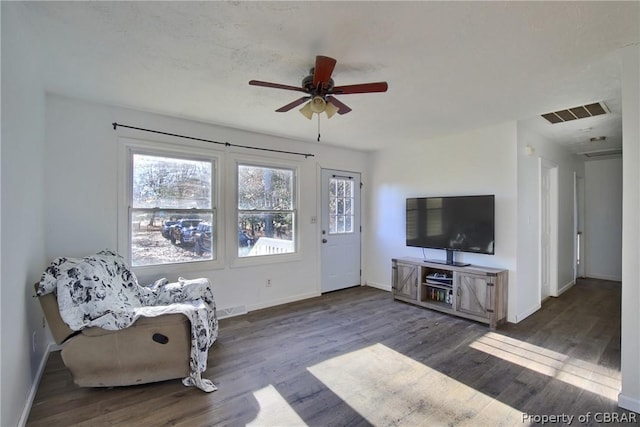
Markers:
(600, 153)
(575, 113)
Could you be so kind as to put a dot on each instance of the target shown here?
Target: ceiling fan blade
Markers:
(342, 108)
(323, 70)
(293, 104)
(276, 86)
(360, 88)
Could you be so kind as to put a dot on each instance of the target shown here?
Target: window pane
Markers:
(341, 199)
(265, 233)
(166, 237)
(348, 224)
(265, 188)
(333, 188)
(171, 183)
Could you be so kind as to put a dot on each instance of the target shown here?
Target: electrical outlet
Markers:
(268, 283)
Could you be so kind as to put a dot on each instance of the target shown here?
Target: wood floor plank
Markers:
(357, 357)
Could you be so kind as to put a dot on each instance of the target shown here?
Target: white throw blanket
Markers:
(100, 290)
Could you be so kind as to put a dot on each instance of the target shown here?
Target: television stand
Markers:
(474, 292)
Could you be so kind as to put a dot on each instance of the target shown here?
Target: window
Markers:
(266, 210)
(341, 205)
(171, 209)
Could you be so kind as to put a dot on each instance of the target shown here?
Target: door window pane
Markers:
(341, 197)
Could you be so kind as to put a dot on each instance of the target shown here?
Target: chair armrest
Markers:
(59, 329)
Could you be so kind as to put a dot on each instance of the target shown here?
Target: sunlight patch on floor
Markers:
(388, 388)
(274, 410)
(588, 376)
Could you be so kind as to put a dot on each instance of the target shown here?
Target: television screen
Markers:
(462, 223)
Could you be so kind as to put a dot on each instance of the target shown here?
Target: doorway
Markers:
(548, 180)
(340, 230)
(579, 209)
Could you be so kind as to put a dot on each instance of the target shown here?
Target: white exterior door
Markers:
(340, 230)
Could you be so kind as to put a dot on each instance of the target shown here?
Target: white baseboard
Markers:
(224, 313)
(34, 387)
(603, 277)
(280, 301)
(629, 403)
(565, 288)
(520, 317)
(378, 286)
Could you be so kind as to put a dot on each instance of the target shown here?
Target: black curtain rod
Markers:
(226, 144)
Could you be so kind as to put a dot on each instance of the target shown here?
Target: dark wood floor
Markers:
(356, 357)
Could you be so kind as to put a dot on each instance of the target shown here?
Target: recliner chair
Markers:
(152, 349)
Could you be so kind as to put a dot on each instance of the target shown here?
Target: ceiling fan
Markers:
(320, 90)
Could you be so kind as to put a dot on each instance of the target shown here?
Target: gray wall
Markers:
(21, 245)
(603, 219)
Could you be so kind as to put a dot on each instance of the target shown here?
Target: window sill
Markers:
(150, 273)
(265, 260)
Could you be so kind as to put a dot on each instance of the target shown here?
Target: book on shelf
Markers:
(440, 295)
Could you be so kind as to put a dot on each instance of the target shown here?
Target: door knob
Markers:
(324, 240)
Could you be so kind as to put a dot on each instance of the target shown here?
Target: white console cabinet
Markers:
(474, 292)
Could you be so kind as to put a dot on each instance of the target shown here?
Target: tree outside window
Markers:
(266, 210)
(172, 210)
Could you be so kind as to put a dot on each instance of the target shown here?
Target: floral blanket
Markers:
(100, 290)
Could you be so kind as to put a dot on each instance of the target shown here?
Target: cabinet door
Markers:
(474, 295)
(405, 280)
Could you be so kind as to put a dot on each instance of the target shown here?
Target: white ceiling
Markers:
(451, 66)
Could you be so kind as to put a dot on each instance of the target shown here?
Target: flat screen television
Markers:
(459, 223)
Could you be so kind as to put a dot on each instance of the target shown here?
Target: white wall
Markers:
(529, 216)
(603, 219)
(478, 162)
(82, 194)
(22, 217)
(630, 343)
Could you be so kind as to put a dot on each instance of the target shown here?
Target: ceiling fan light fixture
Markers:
(330, 109)
(318, 104)
(307, 111)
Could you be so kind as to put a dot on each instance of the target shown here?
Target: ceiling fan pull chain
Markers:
(318, 127)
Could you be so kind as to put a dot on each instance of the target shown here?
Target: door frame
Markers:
(320, 211)
(579, 236)
(547, 166)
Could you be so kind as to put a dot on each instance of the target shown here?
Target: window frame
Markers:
(233, 246)
(131, 147)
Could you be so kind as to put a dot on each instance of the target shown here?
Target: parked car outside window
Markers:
(166, 228)
(182, 232)
(202, 238)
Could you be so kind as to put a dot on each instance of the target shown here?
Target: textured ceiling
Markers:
(451, 66)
